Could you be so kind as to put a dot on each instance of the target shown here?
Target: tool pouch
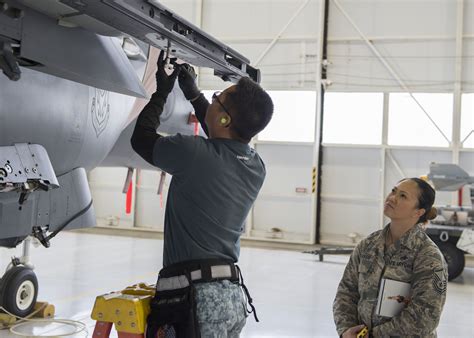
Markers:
(173, 314)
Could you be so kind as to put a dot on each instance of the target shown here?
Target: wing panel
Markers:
(153, 23)
(78, 55)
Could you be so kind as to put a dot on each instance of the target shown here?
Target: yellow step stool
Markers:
(126, 309)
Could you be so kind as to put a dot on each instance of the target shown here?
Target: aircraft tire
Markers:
(454, 257)
(18, 291)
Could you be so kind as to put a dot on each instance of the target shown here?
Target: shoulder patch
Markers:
(439, 281)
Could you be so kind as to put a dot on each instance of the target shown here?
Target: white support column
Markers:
(317, 128)
(457, 90)
(278, 36)
(383, 154)
(386, 104)
(456, 140)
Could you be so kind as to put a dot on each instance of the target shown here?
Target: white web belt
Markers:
(181, 281)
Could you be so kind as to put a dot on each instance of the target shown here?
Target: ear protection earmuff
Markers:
(224, 120)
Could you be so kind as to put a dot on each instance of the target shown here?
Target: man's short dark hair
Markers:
(251, 106)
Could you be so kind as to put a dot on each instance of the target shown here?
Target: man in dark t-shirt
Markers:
(215, 183)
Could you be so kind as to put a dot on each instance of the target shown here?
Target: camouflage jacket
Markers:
(414, 259)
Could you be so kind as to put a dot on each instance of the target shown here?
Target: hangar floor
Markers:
(293, 292)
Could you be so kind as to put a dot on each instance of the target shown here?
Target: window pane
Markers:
(409, 125)
(467, 120)
(284, 126)
(293, 117)
(353, 118)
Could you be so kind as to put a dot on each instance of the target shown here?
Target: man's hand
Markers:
(164, 83)
(353, 331)
(187, 82)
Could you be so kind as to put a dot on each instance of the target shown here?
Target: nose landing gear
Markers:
(19, 285)
(19, 290)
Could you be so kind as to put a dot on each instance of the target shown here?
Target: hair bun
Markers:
(432, 213)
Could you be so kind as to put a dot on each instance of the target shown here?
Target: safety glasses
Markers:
(215, 97)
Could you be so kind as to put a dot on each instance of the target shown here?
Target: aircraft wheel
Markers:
(18, 291)
(454, 257)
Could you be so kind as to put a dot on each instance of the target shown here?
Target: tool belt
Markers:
(174, 305)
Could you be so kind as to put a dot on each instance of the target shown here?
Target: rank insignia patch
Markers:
(439, 281)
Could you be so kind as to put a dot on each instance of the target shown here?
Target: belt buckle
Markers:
(221, 271)
(213, 272)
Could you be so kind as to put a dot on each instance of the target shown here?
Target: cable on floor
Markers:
(78, 326)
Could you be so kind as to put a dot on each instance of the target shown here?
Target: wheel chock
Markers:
(6, 321)
(41, 310)
(44, 310)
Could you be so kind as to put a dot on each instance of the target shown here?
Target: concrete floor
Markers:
(293, 292)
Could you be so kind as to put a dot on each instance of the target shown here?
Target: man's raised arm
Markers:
(187, 83)
(144, 135)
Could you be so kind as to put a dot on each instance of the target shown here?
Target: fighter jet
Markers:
(75, 73)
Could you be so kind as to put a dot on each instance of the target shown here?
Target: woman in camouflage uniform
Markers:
(401, 251)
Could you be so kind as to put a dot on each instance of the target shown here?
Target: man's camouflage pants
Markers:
(220, 307)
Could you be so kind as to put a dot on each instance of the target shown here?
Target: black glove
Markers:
(187, 81)
(164, 83)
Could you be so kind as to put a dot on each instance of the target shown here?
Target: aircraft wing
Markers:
(448, 176)
(76, 40)
(37, 40)
(151, 22)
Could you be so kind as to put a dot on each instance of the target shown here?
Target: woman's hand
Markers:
(353, 331)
